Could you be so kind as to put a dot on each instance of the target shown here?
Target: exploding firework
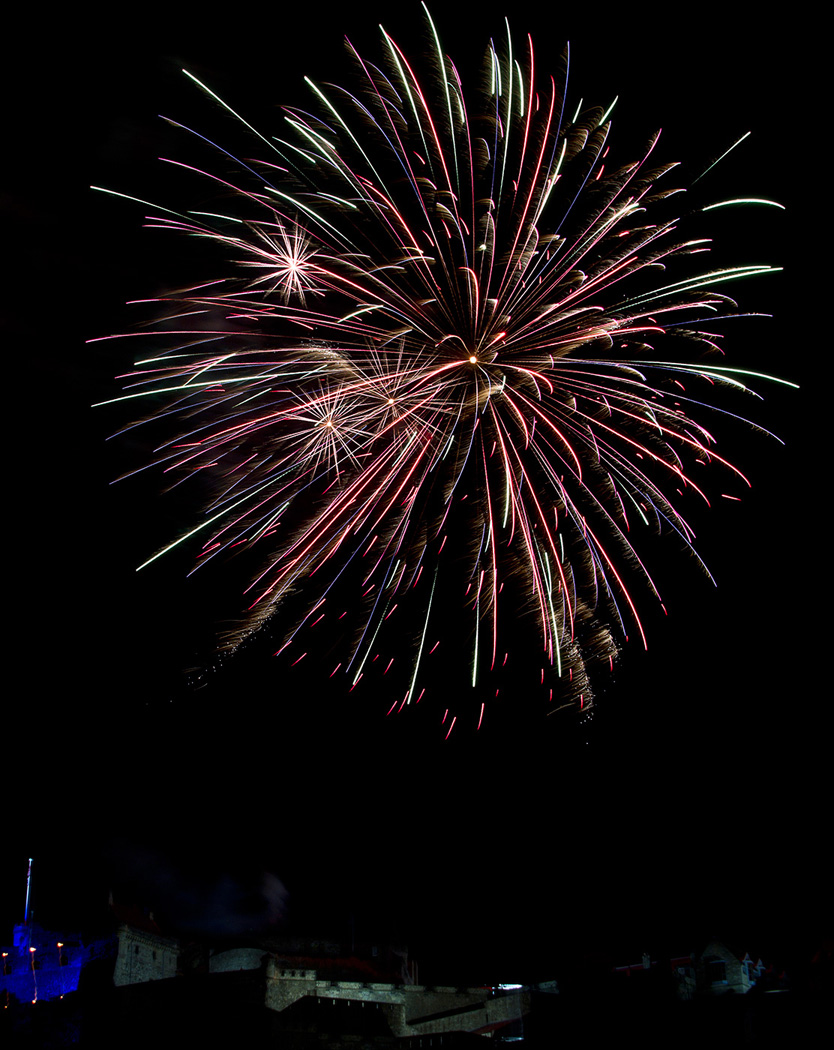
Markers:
(445, 370)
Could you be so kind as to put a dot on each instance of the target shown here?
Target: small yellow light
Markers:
(473, 360)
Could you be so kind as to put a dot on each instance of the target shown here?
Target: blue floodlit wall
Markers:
(49, 972)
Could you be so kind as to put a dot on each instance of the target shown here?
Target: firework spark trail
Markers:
(438, 325)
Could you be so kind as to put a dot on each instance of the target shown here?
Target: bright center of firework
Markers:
(473, 360)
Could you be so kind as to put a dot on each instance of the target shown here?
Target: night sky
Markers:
(693, 804)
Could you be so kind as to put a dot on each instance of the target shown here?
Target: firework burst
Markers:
(432, 378)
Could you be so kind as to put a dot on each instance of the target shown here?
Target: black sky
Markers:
(693, 804)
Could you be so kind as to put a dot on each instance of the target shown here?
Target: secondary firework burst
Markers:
(431, 379)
